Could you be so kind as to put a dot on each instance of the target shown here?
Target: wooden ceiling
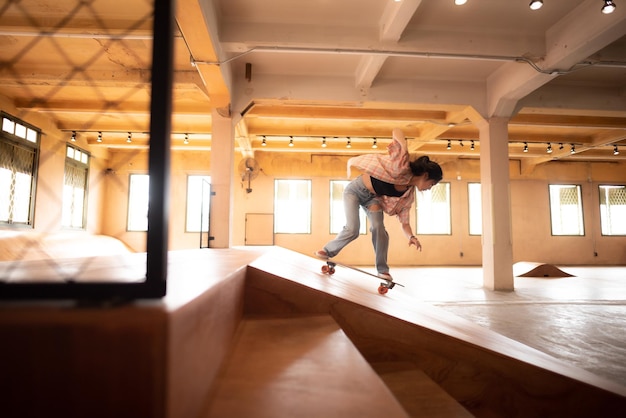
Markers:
(337, 72)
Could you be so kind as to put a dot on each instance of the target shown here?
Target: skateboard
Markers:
(383, 288)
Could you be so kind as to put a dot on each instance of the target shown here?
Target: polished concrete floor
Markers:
(579, 319)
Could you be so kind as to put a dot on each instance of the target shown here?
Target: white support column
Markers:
(222, 180)
(496, 204)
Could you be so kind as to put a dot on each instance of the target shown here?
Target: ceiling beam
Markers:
(578, 35)
(194, 21)
(394, 21)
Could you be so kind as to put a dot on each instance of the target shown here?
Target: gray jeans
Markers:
(356, 195)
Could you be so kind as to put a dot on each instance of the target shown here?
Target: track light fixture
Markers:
(186, 141)
(560, 145)
(449, 144)
(323, 142)
(264, 142)
(291, 141)
(472, 145)
(615, 150)
(99, 137)
(572, 150)
(129, 139)
(461, 142)
(349, 143)
(549, 149)
(374, 144)
(73, 138)
(609, 7)
(525, 146)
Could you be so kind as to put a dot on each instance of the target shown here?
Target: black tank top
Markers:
(382, 188)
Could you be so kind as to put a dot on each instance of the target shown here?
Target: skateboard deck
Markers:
(383, 288)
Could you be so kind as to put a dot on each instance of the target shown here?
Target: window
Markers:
(19, 149)
(198, 203)
(433, 210)
(474, 199)
(75, 188)
(138, 198)
(566, 209)
(613, 209)
(337, 212)
(292, 206)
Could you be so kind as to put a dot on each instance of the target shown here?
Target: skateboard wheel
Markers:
(326, 269)
(382, 289)
(331, 270)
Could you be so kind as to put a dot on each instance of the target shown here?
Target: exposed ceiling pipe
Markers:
(417, 54)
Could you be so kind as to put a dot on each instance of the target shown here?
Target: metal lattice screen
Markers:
(95, 56)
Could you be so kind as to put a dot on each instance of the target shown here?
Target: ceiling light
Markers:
(73, 139)
(291, 141)
(374, 144)
(609, 7)
(99, 137)
(324, 142)
(449, 144)
(615, 150)
(536, 4)
(525, 147)
(549, 149)
(460, 2)
(349, 143)
(572, 150)
(129, 139)
(186, 141)
(264, 142)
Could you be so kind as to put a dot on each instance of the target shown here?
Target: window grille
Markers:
(433, 210)
(566, 210)
(613, 209)
(19, 148)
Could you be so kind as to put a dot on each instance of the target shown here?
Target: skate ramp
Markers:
(533, 269)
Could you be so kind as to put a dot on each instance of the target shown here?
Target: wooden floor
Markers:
(579, 319)
(203, 344)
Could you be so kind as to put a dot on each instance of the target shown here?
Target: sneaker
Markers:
(385, 276)
(321, 254)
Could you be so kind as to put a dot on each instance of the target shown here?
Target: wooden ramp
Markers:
(300, 367)
(245, 332)
(307, 367)
(533, 269)
(488, 374)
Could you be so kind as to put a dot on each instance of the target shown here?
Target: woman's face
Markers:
(423, 182)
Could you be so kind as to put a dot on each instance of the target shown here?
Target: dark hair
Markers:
(424, 165)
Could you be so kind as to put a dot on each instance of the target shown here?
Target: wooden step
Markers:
(302, 367)
(421, 396)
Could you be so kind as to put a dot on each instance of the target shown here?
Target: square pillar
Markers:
(496, 204)
(222, 180)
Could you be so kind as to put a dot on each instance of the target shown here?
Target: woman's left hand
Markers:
(414, 241)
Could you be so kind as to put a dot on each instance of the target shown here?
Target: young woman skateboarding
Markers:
(387, 184)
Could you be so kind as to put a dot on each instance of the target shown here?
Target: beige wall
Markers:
(532, 240)
(124, 163)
